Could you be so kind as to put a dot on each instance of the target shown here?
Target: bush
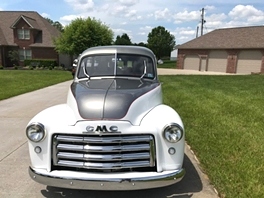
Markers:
(1, 67)
(59, 68)
(45, 63)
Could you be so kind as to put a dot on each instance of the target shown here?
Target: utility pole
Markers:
(202, 21)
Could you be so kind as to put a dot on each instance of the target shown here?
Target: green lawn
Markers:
(223, 117)
(224, 122)
(168, 64)
(15, 82)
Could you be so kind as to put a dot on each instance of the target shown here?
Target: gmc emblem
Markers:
(102, 129)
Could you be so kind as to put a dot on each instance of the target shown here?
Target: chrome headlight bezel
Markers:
(35, 132)
(173, 133)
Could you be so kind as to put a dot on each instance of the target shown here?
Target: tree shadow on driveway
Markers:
(190, 184)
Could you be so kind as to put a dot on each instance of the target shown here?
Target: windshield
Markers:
(116, 65)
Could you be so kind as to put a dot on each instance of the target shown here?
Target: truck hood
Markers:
(109, 98)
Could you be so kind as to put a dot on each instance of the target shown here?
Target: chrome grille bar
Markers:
(101, 157)
(93, 165)
(90, 148)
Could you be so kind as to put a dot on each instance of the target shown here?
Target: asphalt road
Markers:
(15, 182)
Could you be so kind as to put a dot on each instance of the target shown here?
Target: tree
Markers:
(123, 40)
(81, 34)
(13, 55)
(56, 24)
(141, 44)
(49, 20)
(161, 42)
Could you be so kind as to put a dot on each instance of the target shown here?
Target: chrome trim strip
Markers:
(96, 139)
(109, 184)
(152, 152)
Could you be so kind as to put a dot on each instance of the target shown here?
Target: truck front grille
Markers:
(103, 153)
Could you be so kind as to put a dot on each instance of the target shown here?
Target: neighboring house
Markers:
(28, 33)
(231, 50)
(173, 55)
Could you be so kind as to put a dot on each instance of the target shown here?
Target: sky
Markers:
(137, 18)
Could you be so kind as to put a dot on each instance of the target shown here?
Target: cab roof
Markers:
(124, 49)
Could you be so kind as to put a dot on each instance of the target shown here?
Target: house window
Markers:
(23, 34)
(24, 54)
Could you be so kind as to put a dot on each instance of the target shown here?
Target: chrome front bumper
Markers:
(164, 179)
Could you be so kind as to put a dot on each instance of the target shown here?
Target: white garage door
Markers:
(192, 62)
(217, 61)
(249, 61)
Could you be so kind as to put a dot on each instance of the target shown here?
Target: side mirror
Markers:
(74, 64)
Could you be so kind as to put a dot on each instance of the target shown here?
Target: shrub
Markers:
(45, 63)
(1, 67)
(59, 68)
(39, 66)
(13, 55)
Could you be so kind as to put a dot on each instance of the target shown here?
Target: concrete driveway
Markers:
(16, 112)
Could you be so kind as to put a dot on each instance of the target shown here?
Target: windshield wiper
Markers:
(84, 71)
(145, 70)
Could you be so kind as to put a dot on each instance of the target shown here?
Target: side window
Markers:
(23, 34)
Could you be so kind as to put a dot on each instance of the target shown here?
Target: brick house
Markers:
(231, 50)
(28, 33)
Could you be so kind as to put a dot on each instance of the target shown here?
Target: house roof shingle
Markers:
(2, 38)
(35, 21)
(229, 38)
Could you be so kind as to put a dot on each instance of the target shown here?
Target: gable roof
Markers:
(31, 22)
(9, 20)
(229, 38)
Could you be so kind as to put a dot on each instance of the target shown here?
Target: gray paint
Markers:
(108, 98)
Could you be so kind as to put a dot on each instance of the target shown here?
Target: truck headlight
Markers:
(173, 133)
(35, 132)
